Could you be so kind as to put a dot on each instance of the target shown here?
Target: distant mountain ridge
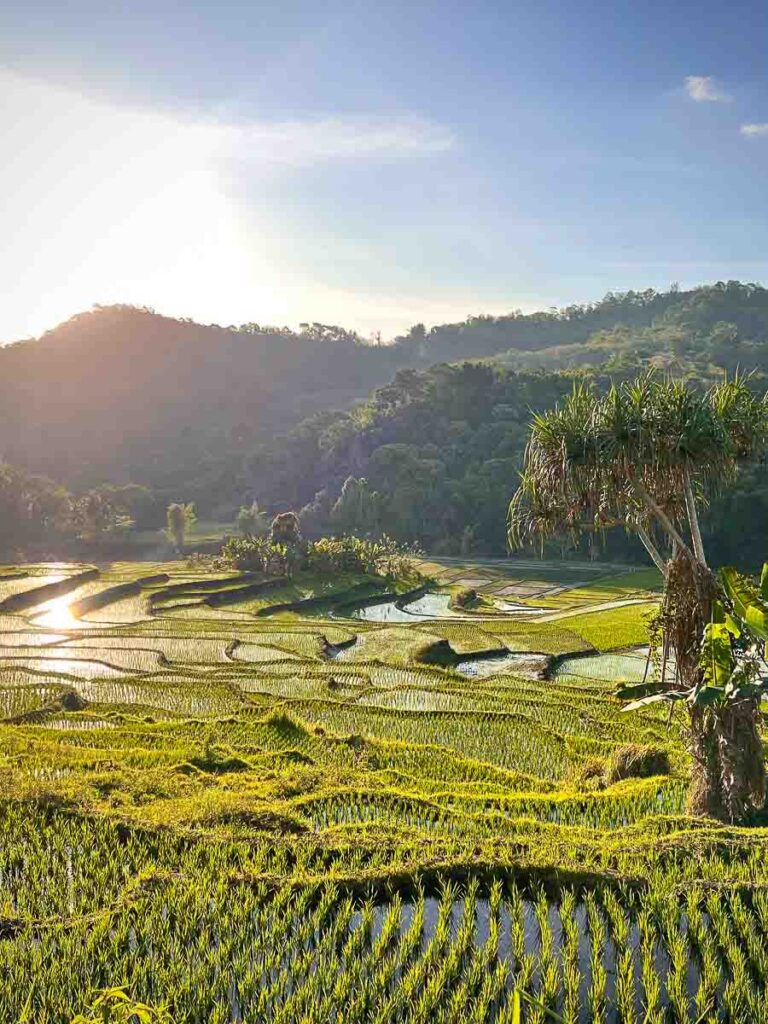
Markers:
(122, 393)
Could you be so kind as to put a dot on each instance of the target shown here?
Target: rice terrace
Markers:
(236, 810)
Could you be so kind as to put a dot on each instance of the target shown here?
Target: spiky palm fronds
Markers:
(642, 455)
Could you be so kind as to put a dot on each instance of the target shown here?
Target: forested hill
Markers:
(434, 458)
(125, 394)
(121, 393)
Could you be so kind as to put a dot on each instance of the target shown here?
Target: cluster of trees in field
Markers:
(283, 551)
(35, 511)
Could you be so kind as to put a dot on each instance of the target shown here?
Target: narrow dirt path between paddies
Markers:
(586, 609)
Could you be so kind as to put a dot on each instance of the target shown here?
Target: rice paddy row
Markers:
(300, 817)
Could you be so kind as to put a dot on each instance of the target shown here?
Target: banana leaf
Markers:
(655, 698)
(717, 658)
(709, 695)
(639, 689)
(748, 604)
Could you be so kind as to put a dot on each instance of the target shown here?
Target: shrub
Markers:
(328, 556)
(382, 557)
(635, 761)
(590, 774)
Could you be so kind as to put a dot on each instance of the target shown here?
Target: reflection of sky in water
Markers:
(481, 667)
(430, 606)
(519, 609)
(622, 666)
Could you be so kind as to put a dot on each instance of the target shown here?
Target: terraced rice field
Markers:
(307, 817)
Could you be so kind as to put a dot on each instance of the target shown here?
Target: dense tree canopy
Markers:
(223, 416)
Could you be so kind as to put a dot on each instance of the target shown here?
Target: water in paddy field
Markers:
(619, 666)
(428, 606)
(519, 609)
(505, 661)
(525, 917)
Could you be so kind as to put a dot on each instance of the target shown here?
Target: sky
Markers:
(375, 164)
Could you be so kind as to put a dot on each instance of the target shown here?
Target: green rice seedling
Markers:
(596, 997)
(677, 990)
(613, 628)
(651, 982)
(625, 975)
(753, 941)
(570, 957)
(549, 975)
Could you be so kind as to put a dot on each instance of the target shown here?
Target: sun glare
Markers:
(57, 614)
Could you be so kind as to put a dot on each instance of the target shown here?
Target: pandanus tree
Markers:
(646, 455)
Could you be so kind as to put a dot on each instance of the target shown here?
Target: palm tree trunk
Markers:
(652, 550)
(728, 779)
(693, 520)
(654, 507)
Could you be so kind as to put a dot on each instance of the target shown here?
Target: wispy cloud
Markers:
(704, 89)
(751, 130)
(108, 203)
(299, 143)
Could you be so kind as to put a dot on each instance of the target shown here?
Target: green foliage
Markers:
(36, 511)
(326, 557)
(252, 521)
(179, 520)
(629, 456)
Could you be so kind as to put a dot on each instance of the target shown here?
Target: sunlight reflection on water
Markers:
(57, 614)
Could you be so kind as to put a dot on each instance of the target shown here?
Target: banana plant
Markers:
(733, 650)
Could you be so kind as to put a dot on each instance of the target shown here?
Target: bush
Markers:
(590, 774)
(258, 554)
(328, 556)
(382, 557)
(464, 599)
(634, 761)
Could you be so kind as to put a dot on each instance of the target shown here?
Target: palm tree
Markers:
(180, 518)
(251, 521)
(646, 455)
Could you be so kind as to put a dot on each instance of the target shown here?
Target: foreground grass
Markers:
(606, 630)
(249, 817)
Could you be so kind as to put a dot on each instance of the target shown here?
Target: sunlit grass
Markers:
(235, 816)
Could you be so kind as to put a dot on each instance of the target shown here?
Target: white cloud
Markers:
(750, 130)
(102, 203)
(704, 89)
(305, 142)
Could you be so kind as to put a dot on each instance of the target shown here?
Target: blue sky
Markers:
(375, 164)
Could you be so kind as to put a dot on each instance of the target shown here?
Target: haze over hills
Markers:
(223, 415)
(122, 392)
